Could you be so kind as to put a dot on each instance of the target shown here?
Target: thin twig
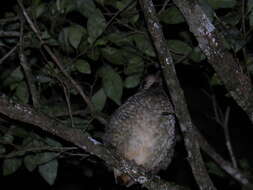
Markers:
(183, 57)
(164, 6)
(9, 34)
(26, 68)
(108, 24)
(30, 22)
(66, 93)
(55, 59)
(225, 165)
(116, 15)
(8, 20)
(8, 54)
(37, 149)
(217, 113)
(227, 137)
(223, 120)
(74, 83)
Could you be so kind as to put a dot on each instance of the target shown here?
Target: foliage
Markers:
(104, 45)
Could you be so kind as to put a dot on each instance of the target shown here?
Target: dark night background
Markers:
(197, 78)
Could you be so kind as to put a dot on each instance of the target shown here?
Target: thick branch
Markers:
(177, 96)
(28, 115)
(211, 43)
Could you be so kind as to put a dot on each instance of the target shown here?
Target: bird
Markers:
(142, 130)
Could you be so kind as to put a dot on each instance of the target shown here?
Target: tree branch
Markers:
(211, 43)
(26, 67)
(177, 95)
(11, 34)
(55, 59)
(8, 54)
(225, 165)
(26, 114)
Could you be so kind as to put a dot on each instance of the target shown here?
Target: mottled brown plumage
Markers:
(143, 130)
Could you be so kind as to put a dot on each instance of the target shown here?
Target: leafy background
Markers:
(105, 47)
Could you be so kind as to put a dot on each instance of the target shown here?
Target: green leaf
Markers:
(39, 10)
(75, 34)
(207, 9)
(31, 162)
(171, 16)
(196, 55)
(83, 66)
(49, 171)
(144, 44)
(112, 84)
(244, 163)
(101, 42)
(108, 2)
(249, 5)
(232, 19)
(86, 7)
(48, 38)
(249, 64)
(17, 74)
(94, 53)
(251, 18)
(178, 46)
(96, 25)
(119, 39)
(132, 81)
(33, 140)
(65, 6)
(214, 169)
(133, 20)
(36, 2)
(217, 4)
(52, 142)
(129, 14)
(122, 4)
(135, 66)
(63, 36)
(7, 138)
(14, 77)
(113, 55)
(2, 149)
(45, 157)
(99, 99)
(235, 39)
(43, 78)
(20, 132)
(215, 80)
(22, 92)
(11, 165)
(63, 39)
(80, 123)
